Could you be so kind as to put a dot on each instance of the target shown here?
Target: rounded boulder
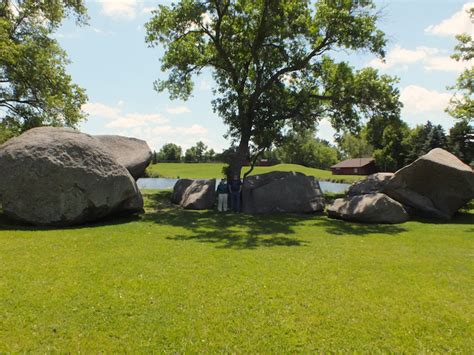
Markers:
(59, 176)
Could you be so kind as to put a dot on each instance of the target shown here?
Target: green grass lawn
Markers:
(214, 170)
(192, 281)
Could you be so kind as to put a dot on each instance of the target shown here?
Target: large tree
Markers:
(35, 88)
(271, 63)
(461, 105)
(170, 152)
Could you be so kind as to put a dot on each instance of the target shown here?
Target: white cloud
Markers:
(178, 110)
(456, 24)
(102, 32)
(100, 110)
(430, 58)
(399, 55)
(148, 10)
(446, 64)
(153, 128)
(118, 119)
(120, 9)
(205, 85)
(417, 99)
(13, 8)
(132, 120)
(193, 130)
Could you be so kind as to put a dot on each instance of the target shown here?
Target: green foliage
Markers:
(185, 281)
(424, 138)
(461, 105)
(170, 152)
(461, 141)
(196, 153)
(35, 89)
(354, 145)
(303, 148)
(271, 65)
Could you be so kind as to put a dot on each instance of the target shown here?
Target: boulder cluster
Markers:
(60, 177)
(436, 185)
(266, 193)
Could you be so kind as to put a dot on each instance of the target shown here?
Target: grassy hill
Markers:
(178, 281)
(214, 170)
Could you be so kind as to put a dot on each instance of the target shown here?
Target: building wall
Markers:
(365, 170)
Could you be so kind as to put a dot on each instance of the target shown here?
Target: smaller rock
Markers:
(178, 190)
(370, 208)
(134, 154)
(194, 194)
(371, 184)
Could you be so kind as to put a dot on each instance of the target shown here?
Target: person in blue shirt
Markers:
(235, 187)
(222, 196)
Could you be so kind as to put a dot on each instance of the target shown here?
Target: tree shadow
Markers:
(8, 224)
(346, 228)
(225, 230)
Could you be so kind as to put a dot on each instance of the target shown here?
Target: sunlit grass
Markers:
(214, 170)
(189, 281)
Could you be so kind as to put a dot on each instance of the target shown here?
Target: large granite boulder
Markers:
(435, 185)
(282, 192)
(178, 190)
(371, 184)
(134, 154)
(369, 208)
(194, 194)
(59, 176)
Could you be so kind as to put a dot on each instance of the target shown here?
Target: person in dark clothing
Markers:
(235, 187)
(222, 196)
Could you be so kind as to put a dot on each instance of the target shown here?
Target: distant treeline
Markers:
(392, 144)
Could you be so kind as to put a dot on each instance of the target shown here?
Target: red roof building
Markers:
(357, 166)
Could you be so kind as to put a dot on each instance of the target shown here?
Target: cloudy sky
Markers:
(112, 62)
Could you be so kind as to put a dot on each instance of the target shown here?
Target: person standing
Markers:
(235, 187)
(222, 196)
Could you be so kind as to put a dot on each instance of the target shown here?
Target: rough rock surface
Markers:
(282, 192)
(371, 184)
(194, 194)
(59, 176)
(369, 208)
(436, 185)
(134, 154)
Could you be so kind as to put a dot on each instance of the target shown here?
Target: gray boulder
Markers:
(59, 176)
(370, 208)
(134, 154)
(371, 184)
(194, 194)
(435, 185)
(282, 192)
(178, 190)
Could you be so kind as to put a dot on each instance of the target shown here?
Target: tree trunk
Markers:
(235, 166)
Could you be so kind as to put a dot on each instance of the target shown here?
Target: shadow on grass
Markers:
(244, 231)
(226, 230)
(341, 228)
(7, 224)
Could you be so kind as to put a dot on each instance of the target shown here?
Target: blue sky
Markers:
(112, 62)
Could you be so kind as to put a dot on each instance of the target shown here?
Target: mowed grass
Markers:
(214, 170)
(190, 281)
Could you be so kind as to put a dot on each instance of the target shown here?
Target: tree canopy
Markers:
(271, 61)
(461, 105)
(35, 88)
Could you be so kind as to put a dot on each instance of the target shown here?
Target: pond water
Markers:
(167, 184)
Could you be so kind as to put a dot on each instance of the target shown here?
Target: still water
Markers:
(167, 184)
